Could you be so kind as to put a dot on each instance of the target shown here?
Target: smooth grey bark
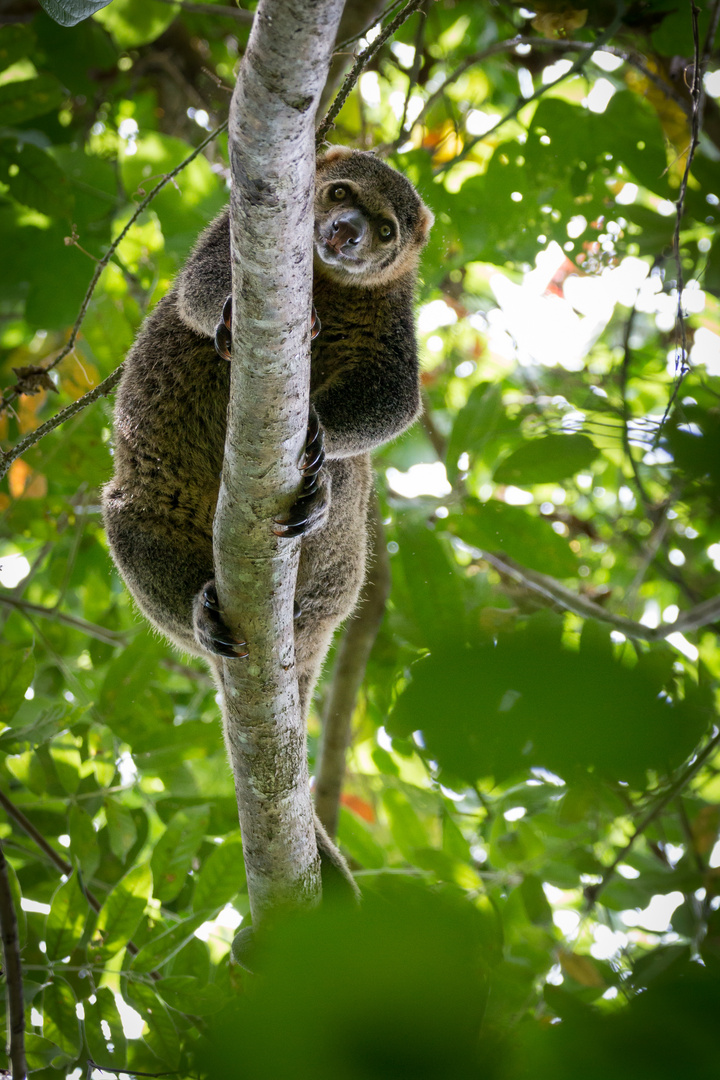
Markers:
(272, 158)
(353, 654)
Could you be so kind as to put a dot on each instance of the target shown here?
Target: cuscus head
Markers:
(370, 223)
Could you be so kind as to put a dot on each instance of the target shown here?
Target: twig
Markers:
(110, 637)
(342, 45)
(624, 374)
(106, 385)
(593, 891)
(522, 102)
(361, 60)
(696, 96)
(13, 974)
(500, 47)
(415, 73)
(700, 615)
(212, 9)
(352, 657)
(101, 390)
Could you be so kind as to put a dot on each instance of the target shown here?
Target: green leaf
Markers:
(359, 841)
(474, 425)
(190, 995)
(39, 1052)
(34, 178)
(407, 829)
(16, 894)
(162, 947)
(27, 98)
(17, 667)
(104, 1011)
(71, 12)
(546, 461)
(83, 840)
(133, 22)
(536, 903)
(222, 876)
(15, 43)
(174, 852)
(121, 828)
(162, 1038)
(66, 919)
(121, 912)
(60, 1023)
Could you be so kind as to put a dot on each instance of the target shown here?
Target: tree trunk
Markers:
(272, 158)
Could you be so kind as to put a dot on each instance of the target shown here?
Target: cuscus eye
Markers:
(338, 193)
(386, 231)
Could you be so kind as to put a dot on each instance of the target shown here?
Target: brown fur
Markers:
(172, 400)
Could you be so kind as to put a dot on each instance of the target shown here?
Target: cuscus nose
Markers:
(347, 230)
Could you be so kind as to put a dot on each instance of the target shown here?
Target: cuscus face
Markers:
(370, 223)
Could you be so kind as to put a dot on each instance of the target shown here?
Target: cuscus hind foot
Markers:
(211, 629)
(223, 336)
(309, 510)
(223, 330)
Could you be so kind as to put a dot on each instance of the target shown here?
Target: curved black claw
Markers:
(297, 610)
(223, 336)
(314, 453)
(315, 324)
(310, 507)
(219, 637)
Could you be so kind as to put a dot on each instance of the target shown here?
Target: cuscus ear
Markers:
(426, 219)
(335, 153)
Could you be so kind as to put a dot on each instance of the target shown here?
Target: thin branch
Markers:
(341, 45)
(682, 365)
(361, 60)
(13, 974)
(110, 637)
(108, 384)
(211, 9)
(624, 376)
(701, 615)
(520, 104)
(352, 657)
(593, 891)
(415, 72)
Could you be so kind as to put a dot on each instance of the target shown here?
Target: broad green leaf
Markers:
(71, 12)
(162, 1038)
(408, 831)
(163, 946)
(173, 855)
(133, 22)
(34, 178)
(121, 827)
(27, 98)
(97, 1013)
(39, 1052)
(122, 911)
(357, 839)
(191, 995)
(222, 875)
(536, 904)
(16, 896)
(474, 425)
(546, 461)
(67, 762)
(60, 1023)
(17, 667)
(15, 42)
(66, 919)
(83, 840)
